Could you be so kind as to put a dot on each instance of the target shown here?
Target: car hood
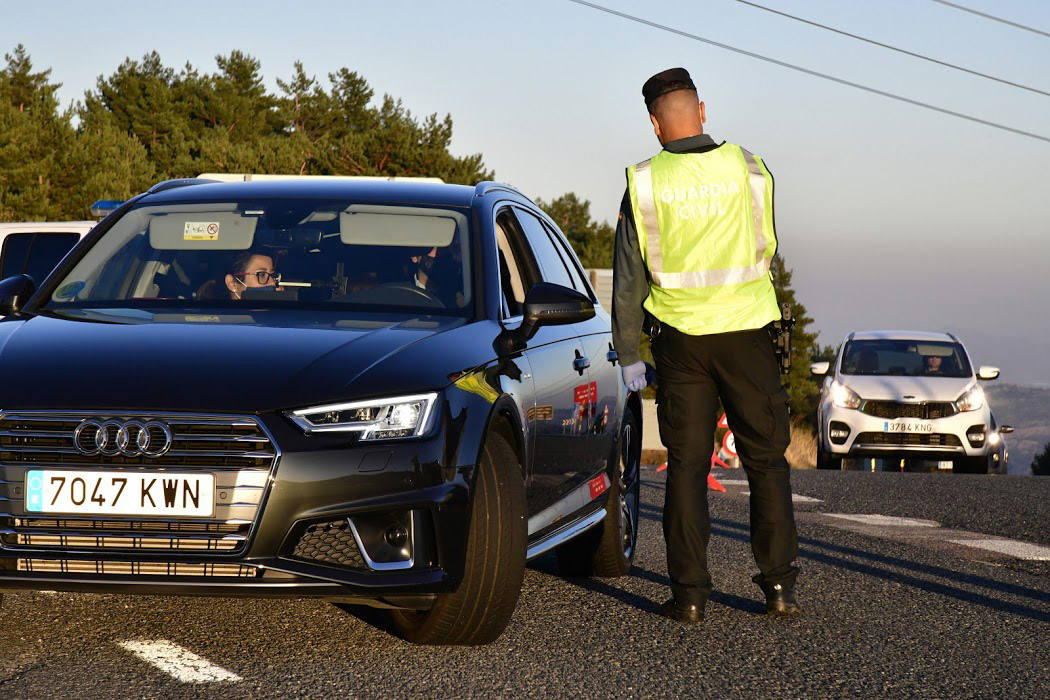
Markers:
(205, 363)
(906, 388)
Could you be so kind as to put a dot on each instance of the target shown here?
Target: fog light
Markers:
(975, 435)
(396, 536)
(838, 432)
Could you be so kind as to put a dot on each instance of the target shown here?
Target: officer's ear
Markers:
(656, 127)
(703, 112)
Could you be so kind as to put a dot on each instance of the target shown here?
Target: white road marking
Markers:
(732, 482)
(883, 520)
(1012, 548)
(178, 662)
(796, 497)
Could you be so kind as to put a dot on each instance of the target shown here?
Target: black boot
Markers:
(688, 614)
(780, 598)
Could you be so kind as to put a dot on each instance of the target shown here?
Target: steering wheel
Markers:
(412, 294)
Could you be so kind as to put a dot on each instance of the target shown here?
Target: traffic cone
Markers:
(712, 482)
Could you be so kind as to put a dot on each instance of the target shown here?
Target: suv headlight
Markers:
(381, 419)
(844, 397)
(971, 400)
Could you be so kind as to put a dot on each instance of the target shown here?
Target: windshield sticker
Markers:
(201, 231)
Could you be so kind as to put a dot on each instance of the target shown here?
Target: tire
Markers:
(825, 460)
(971, 465)
(608, 550)
(480, 608)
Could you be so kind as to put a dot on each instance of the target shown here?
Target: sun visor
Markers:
(415, 227)
(936, 350)
(205, 230)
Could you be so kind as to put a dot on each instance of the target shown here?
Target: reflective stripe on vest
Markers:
(643, 179)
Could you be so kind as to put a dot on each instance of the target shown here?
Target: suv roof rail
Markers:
(483, 188)
(951, 335)
(258, 177)
(178, 182)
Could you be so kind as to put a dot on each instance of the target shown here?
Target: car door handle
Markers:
(580, 363)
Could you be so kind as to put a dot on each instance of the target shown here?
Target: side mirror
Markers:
(14, 291)
(819, 369)
(1006, 429)
(547, 304)
(987, 373)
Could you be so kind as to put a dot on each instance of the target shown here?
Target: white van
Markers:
(35, 247)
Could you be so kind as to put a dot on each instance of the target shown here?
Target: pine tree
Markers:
(33, 137)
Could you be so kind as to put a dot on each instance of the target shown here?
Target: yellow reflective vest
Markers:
(705, 228)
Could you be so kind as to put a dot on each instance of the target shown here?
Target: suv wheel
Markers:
(480, 608)
(608, 550)
(825, 460)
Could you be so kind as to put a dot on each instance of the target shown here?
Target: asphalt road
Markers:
(892, 608)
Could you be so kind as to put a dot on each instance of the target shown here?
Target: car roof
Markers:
(393, 192)
(46, 227)
(903, 335)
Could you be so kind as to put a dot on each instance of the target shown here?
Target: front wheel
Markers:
(480, 608)
(826, 460)
(608, 550)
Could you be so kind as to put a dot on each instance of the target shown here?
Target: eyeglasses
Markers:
(263, 277)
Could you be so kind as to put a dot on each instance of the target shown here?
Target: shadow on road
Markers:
(809, 548)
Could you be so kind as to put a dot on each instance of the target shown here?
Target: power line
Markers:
(906, 52)
(993, 18)
(825, 76)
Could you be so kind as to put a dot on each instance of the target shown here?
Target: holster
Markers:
(780, 335)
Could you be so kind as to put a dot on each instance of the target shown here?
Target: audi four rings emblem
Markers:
(128, 438)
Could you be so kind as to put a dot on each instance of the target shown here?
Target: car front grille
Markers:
(907, 440)
(927, 410)
(237, 450)
(330, 543)
(137, 568)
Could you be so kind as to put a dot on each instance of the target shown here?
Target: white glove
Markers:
(634, 376)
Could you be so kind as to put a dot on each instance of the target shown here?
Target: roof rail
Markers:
(253, 177)
(951, 335)
(483, 188)
(178, 182)
(850, 336)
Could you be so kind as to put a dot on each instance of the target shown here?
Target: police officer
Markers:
(693, 246)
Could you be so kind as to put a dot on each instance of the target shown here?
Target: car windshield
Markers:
(282, 254)
(905, 358)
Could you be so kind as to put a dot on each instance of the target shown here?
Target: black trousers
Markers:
(741, 369)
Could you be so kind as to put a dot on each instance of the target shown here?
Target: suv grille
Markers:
(235, 449)
(928, 410)
(330, 543)
(907, 439)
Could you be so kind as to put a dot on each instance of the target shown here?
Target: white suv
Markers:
(911, 399)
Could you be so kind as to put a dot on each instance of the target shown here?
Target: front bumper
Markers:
(317, 480)
(868, 436)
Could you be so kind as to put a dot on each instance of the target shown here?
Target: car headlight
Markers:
(971, 399)
(381, 419)
(844, 397)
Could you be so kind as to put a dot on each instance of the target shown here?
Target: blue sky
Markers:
(890, 215)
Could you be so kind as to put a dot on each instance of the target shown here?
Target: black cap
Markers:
(664, 82)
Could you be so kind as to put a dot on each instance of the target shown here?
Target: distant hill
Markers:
(1027, 409)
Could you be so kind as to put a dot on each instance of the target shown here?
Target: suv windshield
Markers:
(905, 358)
(277, 254)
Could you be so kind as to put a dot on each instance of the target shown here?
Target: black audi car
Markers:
(382, 393)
